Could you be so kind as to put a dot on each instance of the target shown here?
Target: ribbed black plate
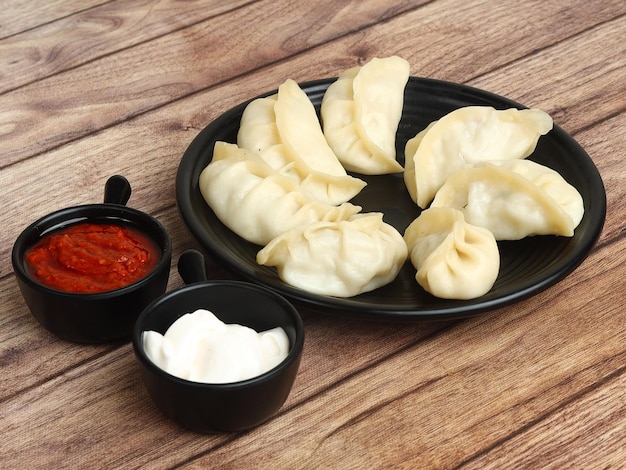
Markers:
(527, 266)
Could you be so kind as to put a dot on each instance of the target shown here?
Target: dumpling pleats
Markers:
(454, 259)
(513, 200)
(340, 259)
(285, 132)
(468, 135)
(263, 203)
(361, 112)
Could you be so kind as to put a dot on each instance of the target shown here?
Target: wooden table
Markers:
(93, 88)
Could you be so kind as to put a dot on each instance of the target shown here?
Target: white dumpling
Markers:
(255, 201)
(468, 135)
(454, 259)
(340, 259)
(285, 132)
(361, 112)
(513, 199)
(566, 196)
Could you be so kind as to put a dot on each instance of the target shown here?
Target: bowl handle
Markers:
(191, 267)
(117, 190)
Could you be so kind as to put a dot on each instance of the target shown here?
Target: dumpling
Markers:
(513, 199)
(255, 201)
(468, 135)
(454, 259)
(284, 130)
(566, 196)
(340, 259)
(361, 112)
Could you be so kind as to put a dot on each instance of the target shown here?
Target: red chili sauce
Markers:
(87, 257)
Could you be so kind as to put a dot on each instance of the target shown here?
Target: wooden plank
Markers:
(87, 35)
(89, 417)
(605, 55)
(111, 380)
(17, 16)
(425, 394)
(538, 383)
(587, 431)
(113, 89)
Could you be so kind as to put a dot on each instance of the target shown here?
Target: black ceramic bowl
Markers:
(101, 316)
(224, 407)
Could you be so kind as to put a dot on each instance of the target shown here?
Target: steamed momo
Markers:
(468, 135)
(255, 201)
(340, 259)
(513, 199)
(284, 131)
(454, 260)
(360, 115)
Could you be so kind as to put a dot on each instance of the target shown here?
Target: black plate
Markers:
(527, 266)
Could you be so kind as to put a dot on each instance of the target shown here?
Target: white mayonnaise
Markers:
(201, 348)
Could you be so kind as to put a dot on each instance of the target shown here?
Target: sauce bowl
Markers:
(220, 407)
(100, 316)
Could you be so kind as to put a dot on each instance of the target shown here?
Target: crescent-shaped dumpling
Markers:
(468, 135)
(285, 132)
(361, 112)
(255, 201)
(513, 199)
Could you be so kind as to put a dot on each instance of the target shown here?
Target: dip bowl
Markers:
(94, 317)
(219, 407)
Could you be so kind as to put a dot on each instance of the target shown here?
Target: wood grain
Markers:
(113, 90)
(597, 74)
(18, 16)
(89, 34)
(593, 423)
(122, 92)
(92, 89)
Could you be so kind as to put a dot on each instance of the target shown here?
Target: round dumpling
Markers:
(340, 259)
(454, 259)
